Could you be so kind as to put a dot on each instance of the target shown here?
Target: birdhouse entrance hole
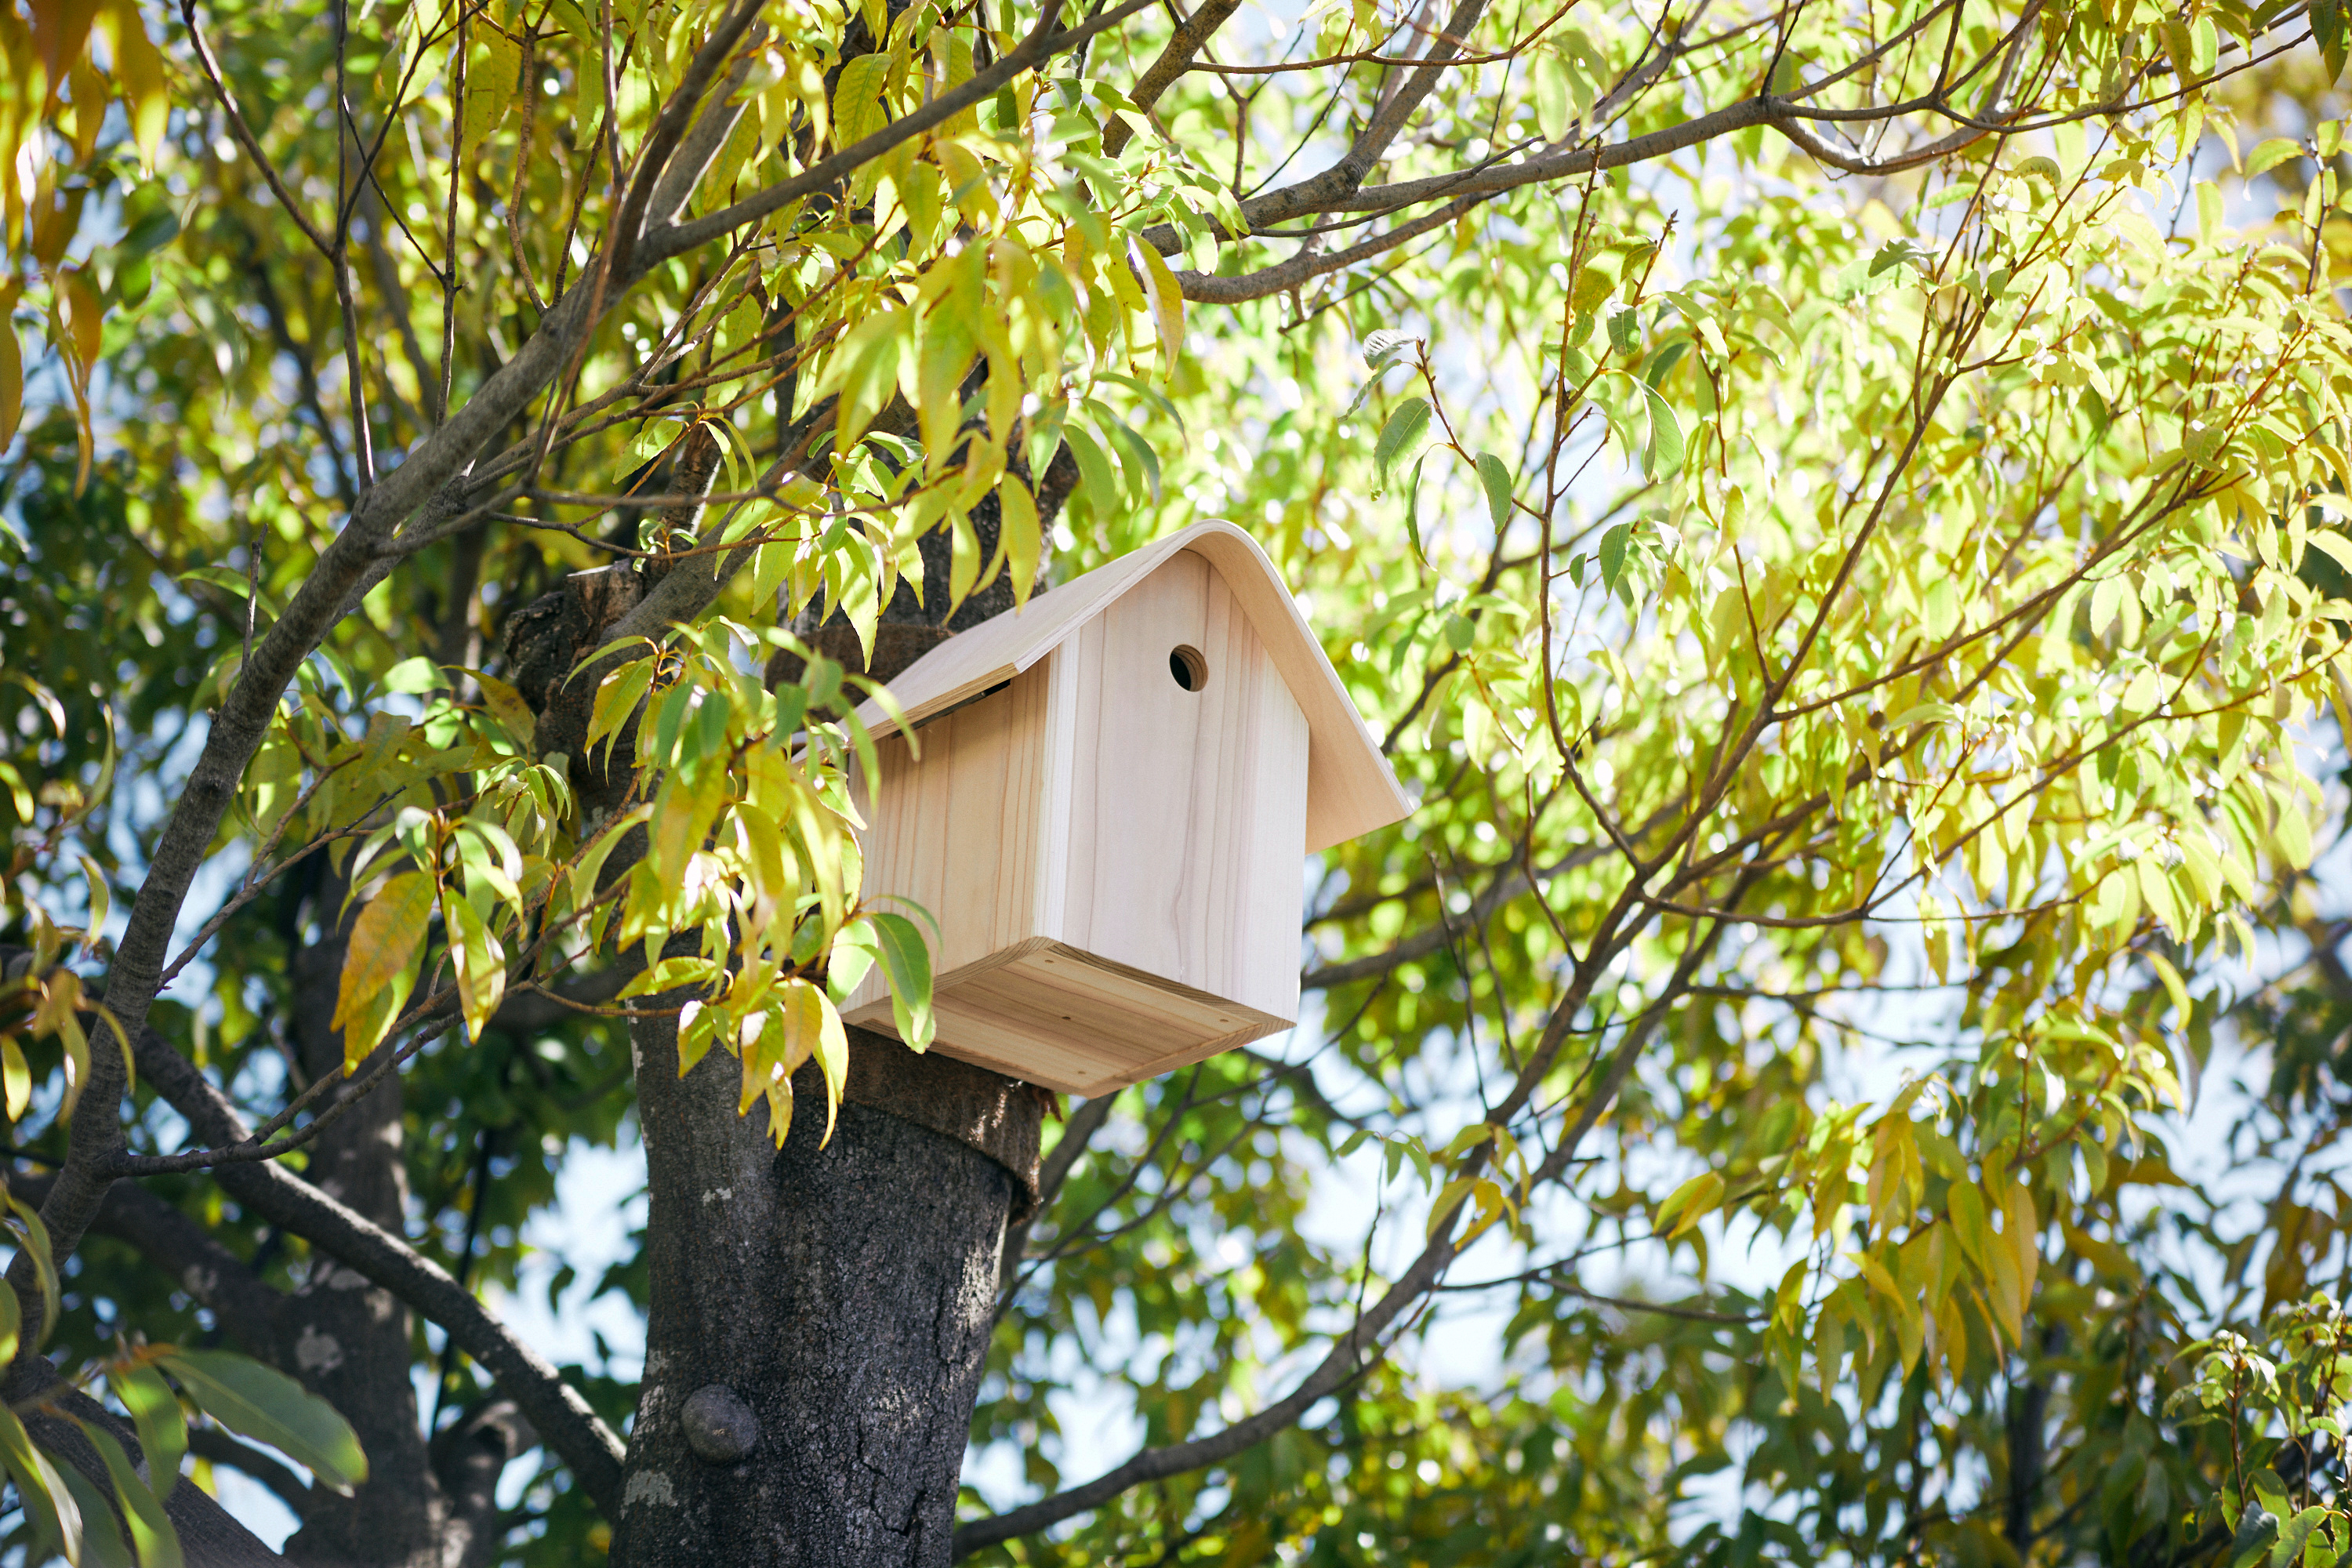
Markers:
(1191, 670)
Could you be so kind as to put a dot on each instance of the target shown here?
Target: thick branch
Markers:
(562, 1417)
(216, 1277)
(1173, 61)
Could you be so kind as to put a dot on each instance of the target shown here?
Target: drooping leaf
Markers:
(258, 1401)
(385, 941)
(1401, 436)
(906, 963)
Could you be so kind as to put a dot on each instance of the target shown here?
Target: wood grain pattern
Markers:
(1351, 789)
(1051, 1015)
(960, 835)
(1112, 860)
(1185, 808)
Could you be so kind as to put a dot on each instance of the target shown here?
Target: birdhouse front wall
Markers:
(1110, 845)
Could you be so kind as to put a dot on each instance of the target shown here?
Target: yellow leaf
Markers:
(1689, 1204)
(2023, 1231)
(506, 706)
(831, 1047)
(481, 964)
(1167, 297)
(1019, 536)
(1969, 1225)
(491, 76)
(139, 74)
(682, 818)
(2156, 888)
(2172, 985)
(1910, 1334)
(942, 354)
(19, 1077)
(864, 369)
(77, 1046)
(2338, 547)
(85, 317)
(857, 100)
(385, 941)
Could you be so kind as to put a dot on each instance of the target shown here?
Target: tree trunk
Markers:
(820, 1315)
(346, 1339)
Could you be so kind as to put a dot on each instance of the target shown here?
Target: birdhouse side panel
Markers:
(960, 832)
(1186, 796)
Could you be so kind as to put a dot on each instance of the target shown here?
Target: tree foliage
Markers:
(1834, 510)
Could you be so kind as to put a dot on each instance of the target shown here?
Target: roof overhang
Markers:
(1350, 788)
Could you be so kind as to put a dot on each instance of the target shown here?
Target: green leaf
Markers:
(1689, 1204)
(1098, 480)
(906, 964)
(2257, 1527)
(865, 370)
(35, 1237)
(152, 1535)
(2270, 154)
(49, 1503)
(1412, 514)
(256, 1401)
(1666, 446)
(156, 1412)
(2329, 30)
(1495, 481)
(413, 675)
(1625, 329)
(1403, 433)
(2295, 1535)
(492, 79)
(617, 695)
(1613, 546)
(480, 960)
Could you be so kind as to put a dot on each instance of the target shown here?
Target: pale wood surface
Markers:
(1051, 1015)
(963, 833)
(1351, 789)
(1185, 808)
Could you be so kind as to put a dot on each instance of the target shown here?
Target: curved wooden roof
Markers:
(1350, 788)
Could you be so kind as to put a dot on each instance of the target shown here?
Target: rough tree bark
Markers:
(820, 1316)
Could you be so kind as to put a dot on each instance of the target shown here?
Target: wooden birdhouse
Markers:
(1116, 790)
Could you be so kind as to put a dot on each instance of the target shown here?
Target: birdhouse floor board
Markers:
(1053, 1015)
